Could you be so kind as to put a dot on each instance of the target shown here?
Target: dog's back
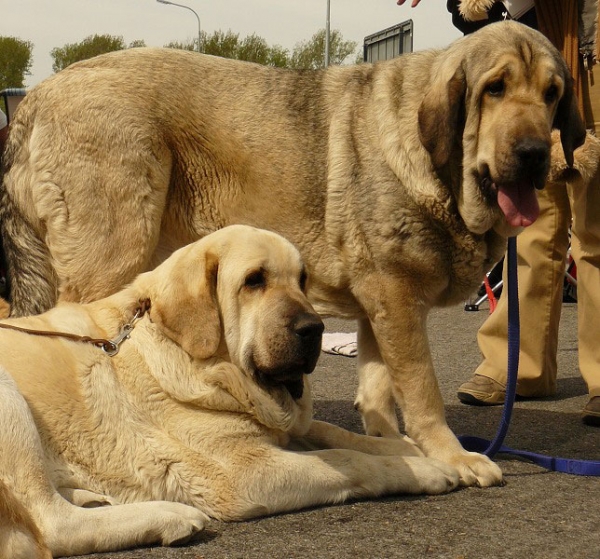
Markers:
(169, 106)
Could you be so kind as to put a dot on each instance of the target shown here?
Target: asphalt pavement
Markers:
(537, 514)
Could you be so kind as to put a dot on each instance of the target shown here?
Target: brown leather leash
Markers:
(110, 347)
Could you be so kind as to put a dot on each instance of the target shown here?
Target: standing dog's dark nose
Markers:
(534, 157)
(308, 326)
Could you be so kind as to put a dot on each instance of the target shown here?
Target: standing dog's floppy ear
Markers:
(569, 122)
(186, 307)
(439, 116)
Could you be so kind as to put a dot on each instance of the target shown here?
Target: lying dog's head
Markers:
(241, 292)
(495, 98)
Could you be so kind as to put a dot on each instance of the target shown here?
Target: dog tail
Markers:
(31, 282)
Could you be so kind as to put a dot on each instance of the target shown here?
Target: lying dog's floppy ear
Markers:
(569, 122)
(186, 308)
(439, 116)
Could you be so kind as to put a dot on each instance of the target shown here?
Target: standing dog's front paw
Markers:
(476, 469)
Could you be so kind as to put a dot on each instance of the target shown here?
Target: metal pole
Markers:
(327, 36)
(190, 9)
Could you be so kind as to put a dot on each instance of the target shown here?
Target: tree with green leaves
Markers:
(16, 57)
(137, 44)
(254, 49)
(279, 57)
(229, 45)
(88, 48)
(311, 54)
(185, 45)
(307, 54)
(220, 43)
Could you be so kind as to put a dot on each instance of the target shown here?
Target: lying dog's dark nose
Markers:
(534, 156)
(309, 327)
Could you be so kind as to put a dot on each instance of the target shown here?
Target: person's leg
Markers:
(585, 200)
(585, 248)
(541, 251)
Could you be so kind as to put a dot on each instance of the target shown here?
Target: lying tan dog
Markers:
(196, 414)
(398, 182)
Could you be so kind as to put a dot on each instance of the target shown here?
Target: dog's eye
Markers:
(303, 278)
(256, 280)
(551, 94)
(496, 89)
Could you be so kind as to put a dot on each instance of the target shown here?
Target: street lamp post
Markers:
(190, 9)
(327, 38)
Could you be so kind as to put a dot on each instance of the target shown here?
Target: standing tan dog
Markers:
(398, 182)
(203, 411)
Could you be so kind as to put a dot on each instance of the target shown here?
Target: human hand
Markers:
(414, 4)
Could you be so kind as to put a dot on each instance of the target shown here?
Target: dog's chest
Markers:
(472, 257)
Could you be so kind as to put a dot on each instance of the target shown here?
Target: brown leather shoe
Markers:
(591, 412)
(482, 391)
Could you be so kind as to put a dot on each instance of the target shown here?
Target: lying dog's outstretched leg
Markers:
(68, 529)
(282, 481)
(325, 435)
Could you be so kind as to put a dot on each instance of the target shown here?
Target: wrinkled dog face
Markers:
(271, 330)
(518, 99)
(520, 91)
(506, 88)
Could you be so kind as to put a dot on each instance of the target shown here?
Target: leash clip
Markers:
(111, 347)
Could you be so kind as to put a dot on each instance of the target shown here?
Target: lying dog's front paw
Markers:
(476, 469)
(181, 523)
(434, 476)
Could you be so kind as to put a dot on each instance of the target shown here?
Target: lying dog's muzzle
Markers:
(302, 349)
(309, 328)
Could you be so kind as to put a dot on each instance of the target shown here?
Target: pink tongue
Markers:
(519, 204)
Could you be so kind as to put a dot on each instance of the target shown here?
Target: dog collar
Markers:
(110, 347)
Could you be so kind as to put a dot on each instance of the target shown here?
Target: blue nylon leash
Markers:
(477, 444)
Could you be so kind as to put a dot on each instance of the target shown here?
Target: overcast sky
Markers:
(54, 23)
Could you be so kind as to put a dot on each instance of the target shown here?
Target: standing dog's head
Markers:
(240, 293)
(495, 97)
